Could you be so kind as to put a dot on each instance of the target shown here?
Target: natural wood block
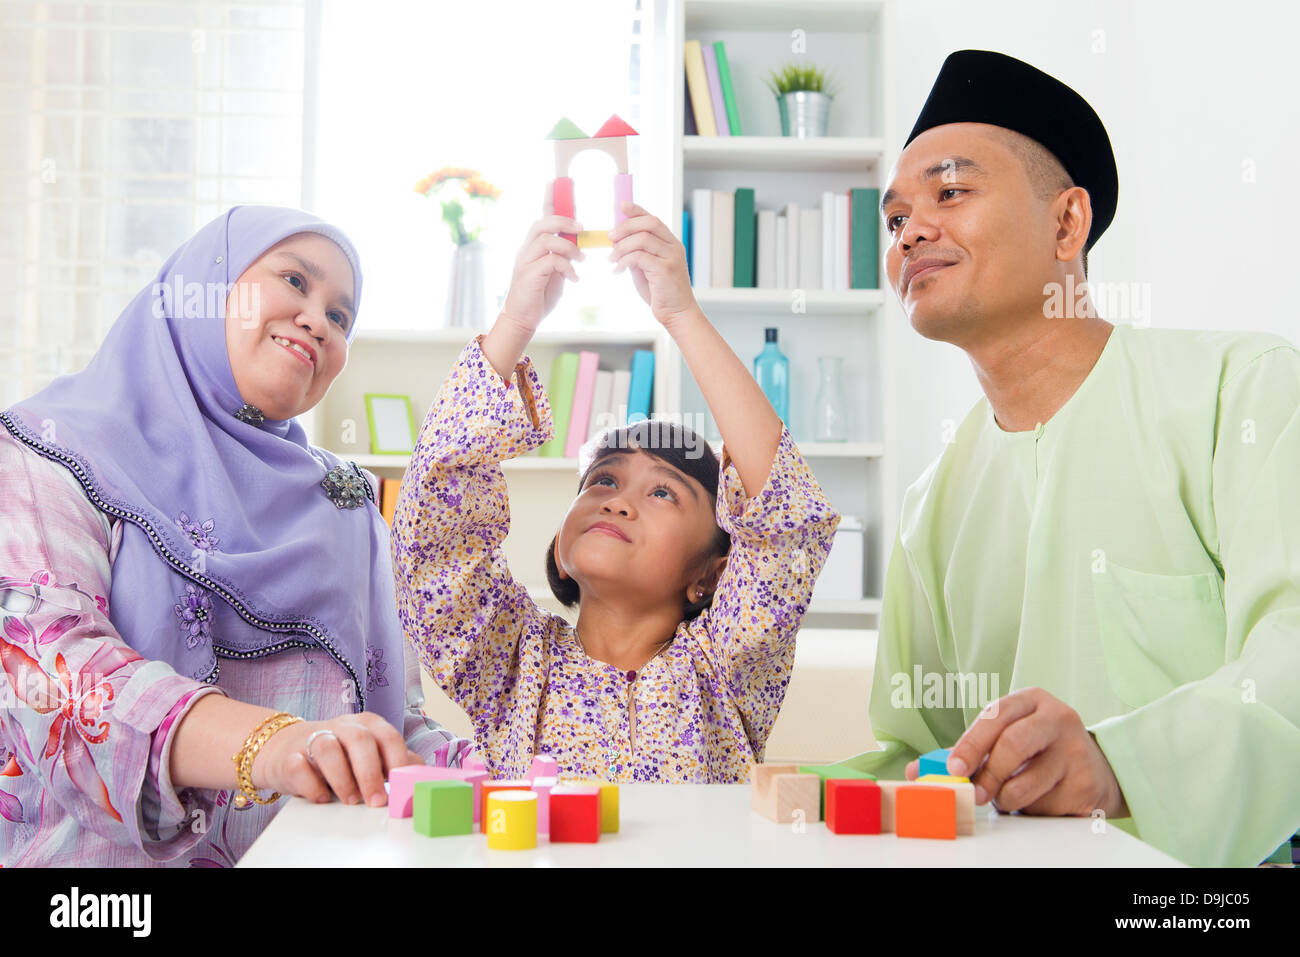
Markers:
(762, 791)
(852, 806)
(792, 794)
(925, 810)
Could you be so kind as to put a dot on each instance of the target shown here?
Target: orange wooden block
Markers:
(925, 810)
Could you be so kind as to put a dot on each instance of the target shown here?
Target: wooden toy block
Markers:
(762, 787)
(791, 794)
(622, 194)
(443, 807)
(544, 766)
(934, 762)
(401, 784)
(614, 126)
(608, 803)
(575, 814)
(511, 820)
(473, 763)
(925, 810)
(594, 239)
(488, 787)
(852, 806)
(888, 792)
(828, 771)
(965, 792)
(562, 202)
(543, 787)
(566, 129)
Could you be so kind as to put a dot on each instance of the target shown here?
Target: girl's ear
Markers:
(702, 588)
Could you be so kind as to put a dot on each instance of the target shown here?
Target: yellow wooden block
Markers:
(594, 239)
(511, 820)
(950, 778)
(608, 803)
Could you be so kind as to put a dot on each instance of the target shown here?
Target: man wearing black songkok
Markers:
(1110, 536)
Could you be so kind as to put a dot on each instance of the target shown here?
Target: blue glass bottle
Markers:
(772, 370)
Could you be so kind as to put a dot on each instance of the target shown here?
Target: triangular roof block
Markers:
(615, 127)
(565, 130)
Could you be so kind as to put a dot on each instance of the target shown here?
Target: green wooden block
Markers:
(443, 808)
(833, 772)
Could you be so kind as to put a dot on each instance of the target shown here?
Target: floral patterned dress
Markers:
(86, 723)
(700, 711)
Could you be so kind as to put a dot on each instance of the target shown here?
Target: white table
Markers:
(683, 825)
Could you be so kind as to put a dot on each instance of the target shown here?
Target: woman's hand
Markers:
(541, 267)
(657, 261)
(351, 762)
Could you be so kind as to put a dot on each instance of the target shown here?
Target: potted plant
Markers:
(803, 99)
(466, 199)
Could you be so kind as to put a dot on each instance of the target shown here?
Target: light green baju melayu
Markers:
(1136, 556)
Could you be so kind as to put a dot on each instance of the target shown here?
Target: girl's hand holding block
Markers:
(750, 427)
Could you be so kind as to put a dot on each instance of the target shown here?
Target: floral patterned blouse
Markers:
(86, 723)
(703, 707)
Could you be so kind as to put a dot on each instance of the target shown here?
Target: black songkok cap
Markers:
(979, 86)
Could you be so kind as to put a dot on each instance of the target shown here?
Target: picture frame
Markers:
(392, 423)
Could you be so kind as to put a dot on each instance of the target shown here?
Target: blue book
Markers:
(643, 380)
(686, 244)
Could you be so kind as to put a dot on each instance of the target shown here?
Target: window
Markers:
(406, 87)
(124, 127)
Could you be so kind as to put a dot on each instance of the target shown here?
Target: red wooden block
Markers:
(575, 814)
(852, 806)
(925, 810)
(562, 202)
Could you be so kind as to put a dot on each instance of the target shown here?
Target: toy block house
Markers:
(611, 138)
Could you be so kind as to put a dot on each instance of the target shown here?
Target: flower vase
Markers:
(465, 287)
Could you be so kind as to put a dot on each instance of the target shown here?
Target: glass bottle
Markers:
(772, 370)
(830, 410)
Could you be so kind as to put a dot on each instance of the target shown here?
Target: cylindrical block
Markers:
(510, 820)
(622, 194)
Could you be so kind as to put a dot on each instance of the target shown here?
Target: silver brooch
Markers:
(346, 486)
(250, 414)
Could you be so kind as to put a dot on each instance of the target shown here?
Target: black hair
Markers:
(678, 446)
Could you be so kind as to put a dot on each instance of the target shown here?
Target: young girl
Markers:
(691, 576)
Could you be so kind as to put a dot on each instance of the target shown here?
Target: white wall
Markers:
(1188, 91)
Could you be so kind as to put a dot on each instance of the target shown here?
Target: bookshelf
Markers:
(847, 39)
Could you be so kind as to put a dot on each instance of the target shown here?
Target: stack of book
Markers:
(710, 99)
(586, 399)
(730, 245)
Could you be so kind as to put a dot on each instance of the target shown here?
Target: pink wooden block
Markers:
(543, 788)
(622, 193)
(401, 784)
(562, 202)
(473, 763)
(544, 766)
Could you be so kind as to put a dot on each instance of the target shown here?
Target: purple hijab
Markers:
(231, 546)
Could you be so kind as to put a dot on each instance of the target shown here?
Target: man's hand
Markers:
(1030, 752)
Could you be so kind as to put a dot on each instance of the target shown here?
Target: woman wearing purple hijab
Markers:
(184, 577)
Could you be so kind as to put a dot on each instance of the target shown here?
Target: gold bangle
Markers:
(248, 753)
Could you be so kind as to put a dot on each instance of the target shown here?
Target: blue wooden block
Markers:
(934, 762)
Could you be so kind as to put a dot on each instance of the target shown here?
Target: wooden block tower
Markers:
(611, 138)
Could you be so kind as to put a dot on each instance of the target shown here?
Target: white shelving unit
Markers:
(847, 39)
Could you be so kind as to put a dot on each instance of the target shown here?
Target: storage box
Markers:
(841, 576)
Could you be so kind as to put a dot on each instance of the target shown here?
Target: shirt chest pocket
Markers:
(1157, 632)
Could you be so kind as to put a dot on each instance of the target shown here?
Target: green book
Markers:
(743, 267)
(559, 389)
(724, 80)
(864, 226)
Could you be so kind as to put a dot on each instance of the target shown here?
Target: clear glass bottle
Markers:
(772, 370)
(830, 410)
